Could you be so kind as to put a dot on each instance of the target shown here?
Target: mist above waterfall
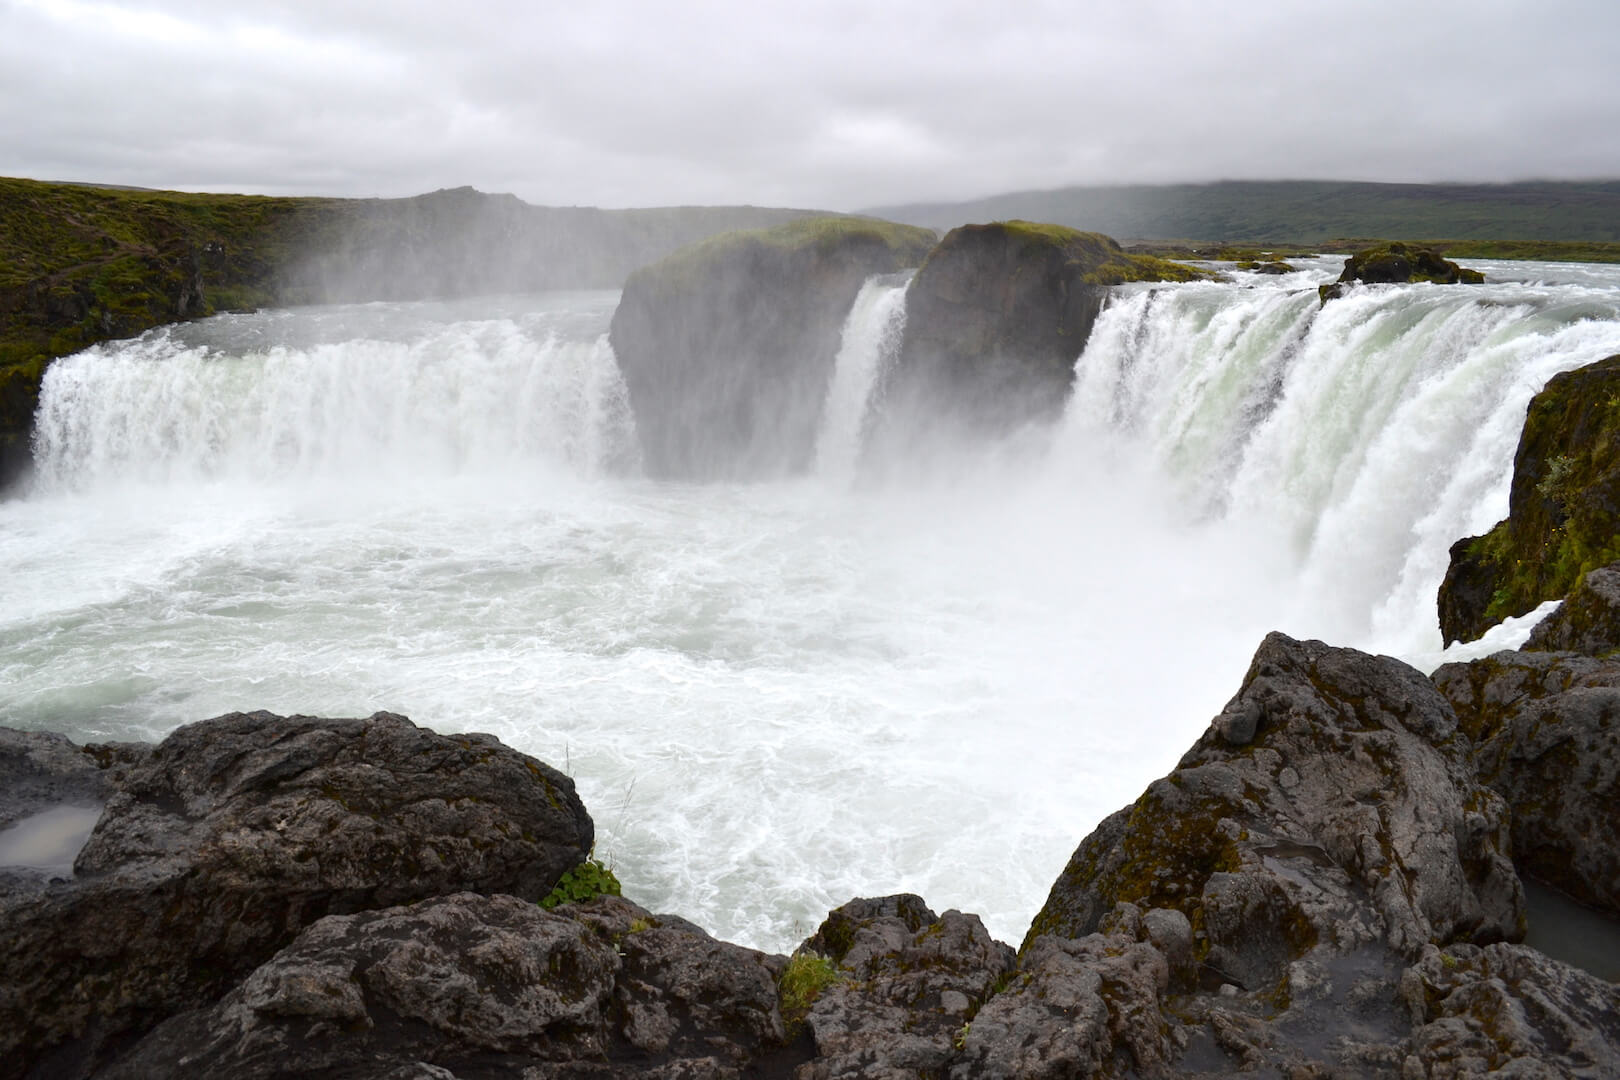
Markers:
(774, 695)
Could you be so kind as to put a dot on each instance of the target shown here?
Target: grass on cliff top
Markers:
(49, 229)
(1104, 262)
(909, 243)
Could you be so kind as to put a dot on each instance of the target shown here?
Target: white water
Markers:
(774, 697)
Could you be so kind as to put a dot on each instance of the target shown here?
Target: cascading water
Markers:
(186, 404)
(1369, 433)
(774, 696)
(870, 340)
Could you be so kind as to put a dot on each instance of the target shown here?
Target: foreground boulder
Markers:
(908, 981)
(1563, 508)
(995, 320)
(1331, 804)
(484, 986)
(233, 835)
(1397, 264)
(1546, 727)
(727, 346)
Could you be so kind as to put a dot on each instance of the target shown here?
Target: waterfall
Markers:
(465, 396)
(1367, 434)
(871, 337)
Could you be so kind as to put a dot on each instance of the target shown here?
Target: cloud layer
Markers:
(834, 105)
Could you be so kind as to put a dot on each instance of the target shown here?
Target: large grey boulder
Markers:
(487, 986)
(236, 833)
(1547, 733)
(1331, 805)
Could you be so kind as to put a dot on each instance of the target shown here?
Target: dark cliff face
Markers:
(995, 320)
(727, 347)
(1563, 509)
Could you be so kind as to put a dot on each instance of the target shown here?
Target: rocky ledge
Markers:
(1396, 264)
(1563, 508)
(1327, 884)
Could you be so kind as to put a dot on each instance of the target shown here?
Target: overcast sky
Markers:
(828, 105)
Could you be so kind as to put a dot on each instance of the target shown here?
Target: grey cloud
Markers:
(836, 105)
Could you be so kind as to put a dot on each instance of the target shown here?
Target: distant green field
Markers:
(1305, 212)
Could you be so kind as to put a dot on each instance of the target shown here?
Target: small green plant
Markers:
(1555, 485)
(807, 974)
(960, 1041)
(590, 878)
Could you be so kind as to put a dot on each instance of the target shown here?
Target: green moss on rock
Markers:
(1563, 508)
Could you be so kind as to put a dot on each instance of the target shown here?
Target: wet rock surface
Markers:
(232, 835)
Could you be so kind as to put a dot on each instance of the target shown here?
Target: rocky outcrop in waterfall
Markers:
(1321, 887)
(727, 347)
(1563, 509)
(996, 318)
(1399, 264)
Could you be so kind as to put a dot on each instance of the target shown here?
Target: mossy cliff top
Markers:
(895, 247)
(1563, 509)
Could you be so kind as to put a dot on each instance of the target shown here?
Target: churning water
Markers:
(774, 696)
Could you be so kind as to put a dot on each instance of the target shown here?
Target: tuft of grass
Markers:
(807, 975)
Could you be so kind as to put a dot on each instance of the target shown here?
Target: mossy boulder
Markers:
(727, 346)
(1563, 508)
(996, 318)
(1397, 263)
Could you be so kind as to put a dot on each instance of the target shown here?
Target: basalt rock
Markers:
(996, 318)
(1563, 508)
(1399, 264)
(1330, 808)
(1547, 733)
(909, 982)
(233, 835)
(484, 986)
(1587, 622)
(1507, 1010)
(727, 346)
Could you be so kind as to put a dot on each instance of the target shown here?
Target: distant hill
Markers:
(1300, 211)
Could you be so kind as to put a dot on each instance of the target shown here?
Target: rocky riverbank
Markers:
(1327, 884)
